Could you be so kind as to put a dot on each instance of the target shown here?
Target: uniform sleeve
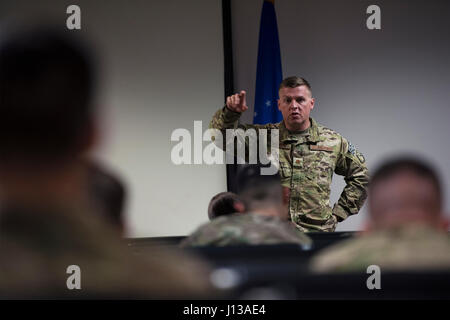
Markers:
(225, 119)
(352, 165)
(189, 241)
(197, 238)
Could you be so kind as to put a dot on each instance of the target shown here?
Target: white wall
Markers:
(387, 91)
(162, 65)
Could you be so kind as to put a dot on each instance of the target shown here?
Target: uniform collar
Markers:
(311, 136)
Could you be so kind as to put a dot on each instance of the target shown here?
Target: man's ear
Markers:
(313, 101)
(279, 102)
(367, 227)
(286, 195)
(444, 224)
(89, 136)
(239, 206)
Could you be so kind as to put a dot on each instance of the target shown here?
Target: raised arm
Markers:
(228, 116)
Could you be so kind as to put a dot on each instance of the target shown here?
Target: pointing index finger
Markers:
(242, 95)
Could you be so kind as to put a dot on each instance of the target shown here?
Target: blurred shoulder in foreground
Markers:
(406, 231)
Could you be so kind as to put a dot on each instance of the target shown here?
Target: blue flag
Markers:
(268, 74)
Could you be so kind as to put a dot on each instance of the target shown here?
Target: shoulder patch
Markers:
(351, 149)
(356, 153)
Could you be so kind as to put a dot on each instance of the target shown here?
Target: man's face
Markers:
(404, 198)
(296, 104)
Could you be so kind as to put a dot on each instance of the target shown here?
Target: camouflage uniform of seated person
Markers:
(262, 216)
(406, 229)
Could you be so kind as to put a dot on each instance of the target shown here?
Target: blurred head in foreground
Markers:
(46, 116)
(406, 228)
(405, 191)
(261, 216)
(46, 89)
(222, 204)
(46, 125)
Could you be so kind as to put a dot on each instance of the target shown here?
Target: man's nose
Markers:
(294, 105)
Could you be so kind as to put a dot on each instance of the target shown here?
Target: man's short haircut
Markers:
(46, 86)
(257, 190)
(409, 164)
(294, 82)
(222, 204)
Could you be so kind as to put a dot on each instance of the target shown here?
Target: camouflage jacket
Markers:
(307, 163)
(248, 228)
(410, 247)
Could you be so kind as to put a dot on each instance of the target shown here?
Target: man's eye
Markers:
(288, 100)
(300, 100)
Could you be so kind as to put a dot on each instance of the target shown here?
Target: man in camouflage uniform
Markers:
(261, 217)
(309, 153)
(406, 229)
